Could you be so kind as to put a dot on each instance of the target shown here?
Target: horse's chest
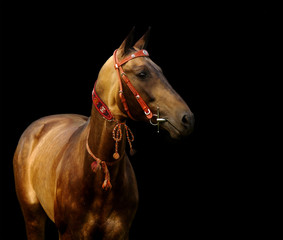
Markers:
(114, 227)
(84, 212)
(112, 220)
(103, 218)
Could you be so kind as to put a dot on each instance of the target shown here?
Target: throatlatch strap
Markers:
(101, 106)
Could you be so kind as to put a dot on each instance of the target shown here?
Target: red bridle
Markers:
(122, 75)
(106, 113)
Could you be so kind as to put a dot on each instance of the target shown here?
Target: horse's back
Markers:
(38, 153)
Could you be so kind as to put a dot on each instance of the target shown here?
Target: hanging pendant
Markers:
(116, 155)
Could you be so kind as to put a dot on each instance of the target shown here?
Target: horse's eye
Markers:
(142, 75)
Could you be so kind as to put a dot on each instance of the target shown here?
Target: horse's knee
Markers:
(35, 229)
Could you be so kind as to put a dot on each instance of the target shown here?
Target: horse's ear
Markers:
(143, 41)
(127, 43)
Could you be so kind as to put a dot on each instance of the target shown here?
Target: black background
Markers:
(225, 179)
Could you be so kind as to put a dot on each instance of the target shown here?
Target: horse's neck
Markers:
(100, 137)
(101, 141)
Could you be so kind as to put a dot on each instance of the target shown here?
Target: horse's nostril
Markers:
(185, 119)
(188, 119)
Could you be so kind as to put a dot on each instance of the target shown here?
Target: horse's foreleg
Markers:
(35, 219)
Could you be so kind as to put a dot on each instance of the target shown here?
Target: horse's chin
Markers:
(175, 133)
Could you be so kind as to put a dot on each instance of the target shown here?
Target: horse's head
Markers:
(148, 80)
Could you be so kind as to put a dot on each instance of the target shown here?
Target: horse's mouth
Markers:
(179, 125)
(175, 131)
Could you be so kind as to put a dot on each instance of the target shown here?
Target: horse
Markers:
(74, 169)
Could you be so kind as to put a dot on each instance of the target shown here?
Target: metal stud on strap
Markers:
(145, 52)
(148, 112)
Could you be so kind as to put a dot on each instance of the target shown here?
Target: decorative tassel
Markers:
(95, 166)
(106, 183)
(117, 136)
(132, 152)
(130, 140)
